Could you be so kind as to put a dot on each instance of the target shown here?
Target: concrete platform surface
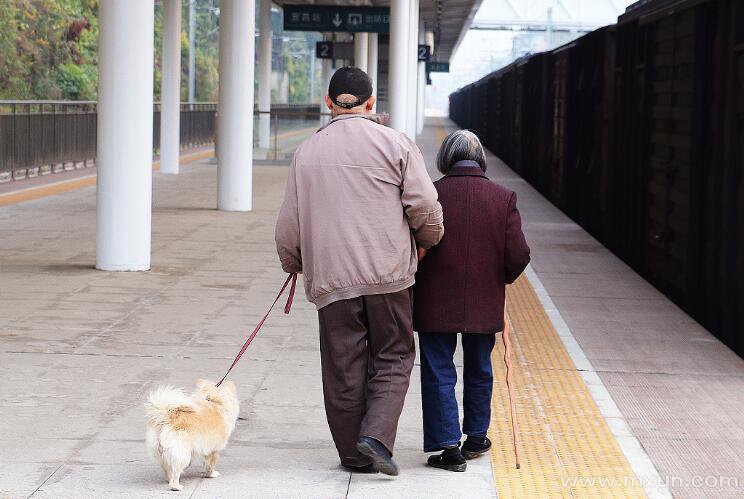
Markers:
(80, 348)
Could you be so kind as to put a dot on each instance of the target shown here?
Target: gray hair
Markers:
(458, 146)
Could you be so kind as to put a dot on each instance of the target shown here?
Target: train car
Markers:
(636, 132)
(684, 63)
(517, 142)
(544, 122)
(588, 128)
(562, 147)
(627, 196)
(492, 140)
(493, 111)
(506, 85)
(531, 134)
(720, 305)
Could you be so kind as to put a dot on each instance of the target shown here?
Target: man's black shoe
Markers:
(451, 459)
(381, 457)
(367, 468)
(475, 446)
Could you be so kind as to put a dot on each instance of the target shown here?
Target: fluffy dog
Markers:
(180, 427)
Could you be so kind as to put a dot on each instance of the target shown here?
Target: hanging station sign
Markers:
(324, 50)
(334, 50)
(424, 53)
(437, 67)
(336, 18)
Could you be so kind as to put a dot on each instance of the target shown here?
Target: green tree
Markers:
(298, 51)
(49, 50)
(41, 41)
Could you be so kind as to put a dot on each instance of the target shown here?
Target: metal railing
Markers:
(45, 136)
(288, 127)
(41, 137)
(198, 124)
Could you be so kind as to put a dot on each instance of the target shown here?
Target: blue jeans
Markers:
(438, 379)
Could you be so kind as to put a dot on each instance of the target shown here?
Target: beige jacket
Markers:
(357, 201)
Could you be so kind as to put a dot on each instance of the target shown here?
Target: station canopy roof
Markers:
(448, 19)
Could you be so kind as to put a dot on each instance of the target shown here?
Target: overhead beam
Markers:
(519, 25)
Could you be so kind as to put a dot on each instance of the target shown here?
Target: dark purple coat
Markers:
(460, 283)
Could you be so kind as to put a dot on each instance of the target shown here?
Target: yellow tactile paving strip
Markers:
(566, 448)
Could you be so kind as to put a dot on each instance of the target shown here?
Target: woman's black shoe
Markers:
(475, 446)
(450, 459)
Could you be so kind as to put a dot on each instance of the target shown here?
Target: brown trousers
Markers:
(367, 352)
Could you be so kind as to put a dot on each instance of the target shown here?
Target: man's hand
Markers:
(421, 253)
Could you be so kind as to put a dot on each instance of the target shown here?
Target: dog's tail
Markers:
(166, 402)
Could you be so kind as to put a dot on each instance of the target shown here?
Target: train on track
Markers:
(636, 131)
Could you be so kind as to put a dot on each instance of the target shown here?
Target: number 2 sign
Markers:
(424, 53)
(324, 50)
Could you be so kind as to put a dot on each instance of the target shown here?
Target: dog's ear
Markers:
(230, 385)
(202, 383)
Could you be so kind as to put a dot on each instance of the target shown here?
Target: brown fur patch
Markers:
(206, 420)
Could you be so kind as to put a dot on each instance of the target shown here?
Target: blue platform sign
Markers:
(324, 50)
(424, 53)
(336, 18)
(437, 67)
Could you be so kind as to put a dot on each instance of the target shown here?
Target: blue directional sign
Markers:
(336, 18)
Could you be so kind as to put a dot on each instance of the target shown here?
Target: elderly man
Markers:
(358, 202)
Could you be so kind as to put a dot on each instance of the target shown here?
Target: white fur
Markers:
(180, 426)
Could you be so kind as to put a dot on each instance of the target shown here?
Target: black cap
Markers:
(352, 81)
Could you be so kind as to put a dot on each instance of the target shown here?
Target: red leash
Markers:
(287, 307)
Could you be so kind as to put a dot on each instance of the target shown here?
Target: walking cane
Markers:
(507, 361)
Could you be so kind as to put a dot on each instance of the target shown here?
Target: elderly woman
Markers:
(460, 289)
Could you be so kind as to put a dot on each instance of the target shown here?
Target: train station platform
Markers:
(618, 392)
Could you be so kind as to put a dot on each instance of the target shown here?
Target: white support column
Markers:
(326, 69)
(192, 50)
(372, 62)
(413, 24)
(397, 89)
(235, 108)
(170, 88)
(361, 44)
(264, 75)
(327, 72)
(430, 43)
(421, 81)
(124, 150)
